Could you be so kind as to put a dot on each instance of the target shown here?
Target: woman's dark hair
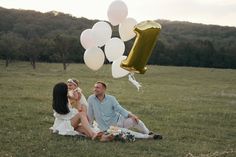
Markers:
(60, 100)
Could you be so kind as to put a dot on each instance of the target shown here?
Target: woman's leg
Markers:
(81, 117)
(82, 130)
(75, 120)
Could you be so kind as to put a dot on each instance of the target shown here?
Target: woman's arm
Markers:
(77, 97)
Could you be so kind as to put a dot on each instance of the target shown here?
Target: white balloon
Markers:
(94, 58)
(117, 12)
(87, 39)
(114, 48)
(102, 33)
(116, 70)
(126, 29)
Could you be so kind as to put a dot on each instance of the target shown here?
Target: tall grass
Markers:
(193, 108)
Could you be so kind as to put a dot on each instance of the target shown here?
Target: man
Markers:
(107, 111)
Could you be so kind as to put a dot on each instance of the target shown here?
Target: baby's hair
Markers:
(74, 81)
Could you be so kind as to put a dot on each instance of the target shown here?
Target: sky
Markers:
(217, 12)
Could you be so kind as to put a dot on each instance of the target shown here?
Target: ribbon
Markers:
(133, 81)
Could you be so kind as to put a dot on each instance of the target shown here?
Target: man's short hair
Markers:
(103, 84)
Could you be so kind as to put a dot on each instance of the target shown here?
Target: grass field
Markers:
(193, 108)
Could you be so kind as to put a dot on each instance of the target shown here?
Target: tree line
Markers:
(55, 37)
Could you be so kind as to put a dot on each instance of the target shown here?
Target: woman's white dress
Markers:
(62, 124)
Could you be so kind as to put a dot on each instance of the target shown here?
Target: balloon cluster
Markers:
(100, 35)
(146, 33)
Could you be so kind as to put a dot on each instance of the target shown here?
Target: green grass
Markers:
(194, 109)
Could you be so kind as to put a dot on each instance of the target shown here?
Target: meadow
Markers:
(193, 108)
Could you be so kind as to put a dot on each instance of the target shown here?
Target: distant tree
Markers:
(157, 56)
(29, 51)
(47, 47)
(64, 45)
(225, 58)
(9, 46)
(194, 53)
(34, 48)
(205, 51)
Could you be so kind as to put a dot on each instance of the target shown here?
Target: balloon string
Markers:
(133, 81)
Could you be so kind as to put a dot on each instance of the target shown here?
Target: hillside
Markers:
(175, 31)
(180, 43)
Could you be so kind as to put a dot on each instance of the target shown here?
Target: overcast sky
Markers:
(219, 12)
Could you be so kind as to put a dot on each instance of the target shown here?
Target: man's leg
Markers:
(129, 123)
(137, 134)
(142, 127)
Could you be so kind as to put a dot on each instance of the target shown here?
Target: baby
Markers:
(74, 89)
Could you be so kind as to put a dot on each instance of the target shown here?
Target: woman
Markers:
(67, 119)
(73, 85)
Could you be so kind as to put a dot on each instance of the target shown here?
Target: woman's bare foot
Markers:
(97, 135)
(94, 136)
(106, 138)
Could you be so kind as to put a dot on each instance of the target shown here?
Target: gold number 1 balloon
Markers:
(146, 36)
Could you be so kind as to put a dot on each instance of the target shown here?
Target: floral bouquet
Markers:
(120, 135)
